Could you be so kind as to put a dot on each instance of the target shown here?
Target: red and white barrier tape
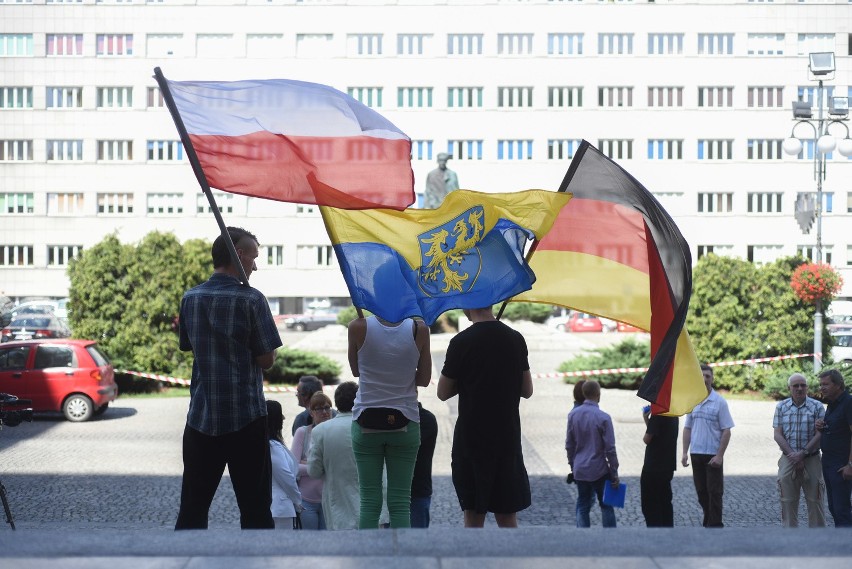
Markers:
(186, 382)
(593, 372)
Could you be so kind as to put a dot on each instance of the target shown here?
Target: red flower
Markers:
(812, 282)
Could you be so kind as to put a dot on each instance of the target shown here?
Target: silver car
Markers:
(842, 350)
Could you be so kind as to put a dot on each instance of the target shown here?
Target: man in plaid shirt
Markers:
(799, 468)
(230, 330)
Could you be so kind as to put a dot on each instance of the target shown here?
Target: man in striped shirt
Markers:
(799, 468)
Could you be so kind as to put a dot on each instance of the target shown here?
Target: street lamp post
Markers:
(820, 66)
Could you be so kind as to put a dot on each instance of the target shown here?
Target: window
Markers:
(16, 150)
(709, 149)
(465, 149)
(165, 150)
(314, 45)
(764, 202)
(848, 202)
(827, 200)
(763, 254)
(421, 150)
(514, 44)
(64, 44)
(14, 358)
(115, 150)
(565, 44)
(665, 44)
(514, 96)
(164, 45)
(360, 45)
(214, 45)
(766, 44)
(413, 44)
(59, 255)
(224, 203)
(64, 97)
(16, 255)
(765, 97)
(16, 45)
(114, 45)
(665, 149)
(665, 96)
(849, 255)
(464, 44)
(274, 255)
(307, 210)
(464, 97)
(615, 44)
(719, 250)
(810, 94)
(616, 149)
(115, 97)
(115, 204)
(264, 46)
(715, 96)
(715, 44)
(764, 149)
(16, 97)
(615, 96)
(812, 43)
(564, 97)
(370, 96)
(16, 203)
(414, 97)
(514, 149)
(715, 202)
(562, 148)
(54, 356)
(155, 98)
(64, 150)
(165, 204)
(65, 204)
(809, 252)
(314, 256)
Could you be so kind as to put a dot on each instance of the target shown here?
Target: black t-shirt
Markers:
(421, 483)
(836, 436)
(661, 452)
(487, 362)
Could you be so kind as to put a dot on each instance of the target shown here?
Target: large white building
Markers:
(691, 97)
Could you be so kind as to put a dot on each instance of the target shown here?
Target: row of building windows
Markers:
(466, 97)
(555, 44)
(757, 149)
(387, 2)
(763, 254)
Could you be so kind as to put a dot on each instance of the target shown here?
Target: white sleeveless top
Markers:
(387, 362)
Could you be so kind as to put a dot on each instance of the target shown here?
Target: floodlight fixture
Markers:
(821, 63)
(838, 107)
(802, 110)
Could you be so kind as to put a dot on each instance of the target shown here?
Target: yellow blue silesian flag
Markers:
(468, 253)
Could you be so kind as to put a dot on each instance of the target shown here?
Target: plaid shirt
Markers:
(226, 325)
(798, 423)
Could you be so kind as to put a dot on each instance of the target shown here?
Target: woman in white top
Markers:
(391, 359)
(286, 498)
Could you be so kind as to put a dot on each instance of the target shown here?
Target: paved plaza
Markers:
(123, 470)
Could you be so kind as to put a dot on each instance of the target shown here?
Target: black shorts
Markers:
(491, 483)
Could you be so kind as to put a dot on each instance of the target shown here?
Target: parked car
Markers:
(57, 307)
(310, 320)
(624, 327)
(71, 376)
(841, 352)
(35, 326)
(582, 322)
(839, 322)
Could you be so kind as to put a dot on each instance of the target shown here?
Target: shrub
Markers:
(350, 313)
(629, 353)
(292, 364)
(532, 311)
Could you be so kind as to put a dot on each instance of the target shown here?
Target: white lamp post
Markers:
(820, 65)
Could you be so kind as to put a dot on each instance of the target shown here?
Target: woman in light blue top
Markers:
(391, 359)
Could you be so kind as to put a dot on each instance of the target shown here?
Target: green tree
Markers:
(626, 354)
(532, 311)
(128, 296)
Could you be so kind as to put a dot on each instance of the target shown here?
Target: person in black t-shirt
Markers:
(487, 366)
(658, 469)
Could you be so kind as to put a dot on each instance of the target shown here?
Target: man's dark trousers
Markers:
(837, 491)
(246, 453)
(710, 486)
(656, 488)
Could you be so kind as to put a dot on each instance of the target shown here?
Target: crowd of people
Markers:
(367, 464)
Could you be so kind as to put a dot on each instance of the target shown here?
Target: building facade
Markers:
(691, 97)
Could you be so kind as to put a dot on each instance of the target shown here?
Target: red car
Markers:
(624, 327)
(582, 322)
(72, 376)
